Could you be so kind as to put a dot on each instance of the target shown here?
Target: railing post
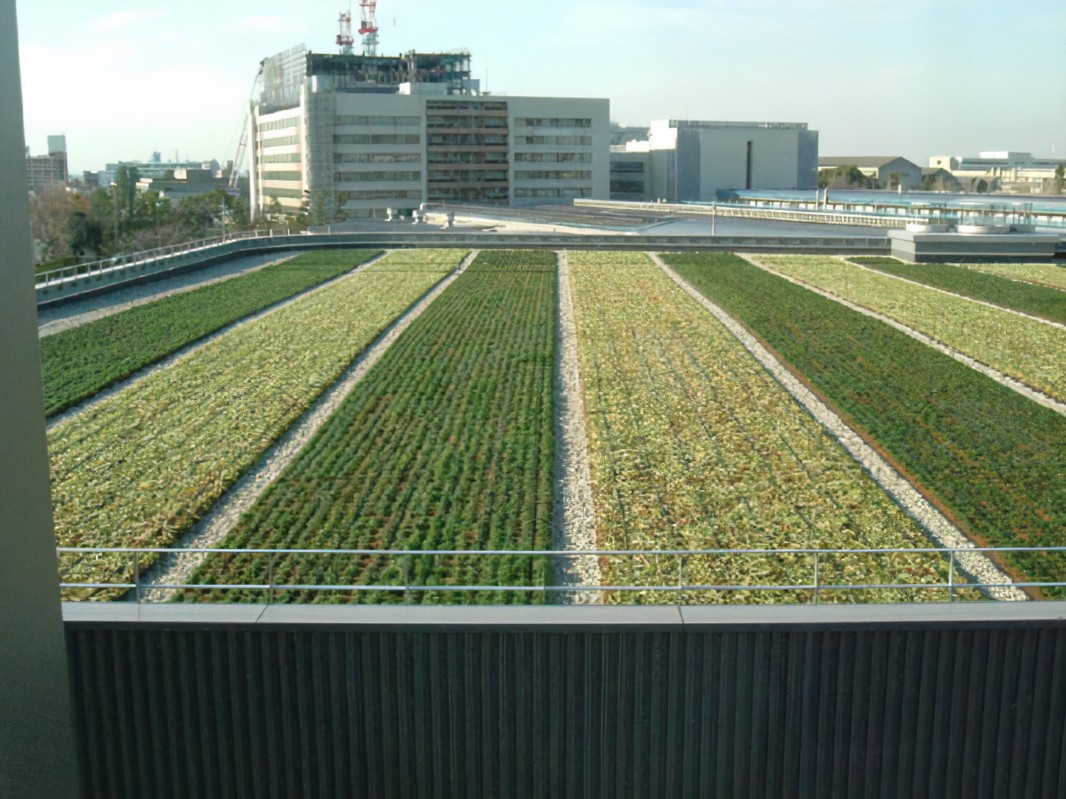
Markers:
(406, 579)
(951, 576)
(270, 579)
(817, 580)
(137, 576)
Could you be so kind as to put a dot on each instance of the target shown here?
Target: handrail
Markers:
(813, 590)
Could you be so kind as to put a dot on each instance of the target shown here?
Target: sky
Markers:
(124, 78)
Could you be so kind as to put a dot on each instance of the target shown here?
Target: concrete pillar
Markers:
(37, 756)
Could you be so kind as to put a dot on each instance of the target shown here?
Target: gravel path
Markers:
(985, 303)
(177, 568)
(65, 317)
(189, 349)
(573, 520)
(988, 371)
(940, 530)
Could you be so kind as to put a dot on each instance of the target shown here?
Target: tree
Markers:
(1060, 179)
(847, 176)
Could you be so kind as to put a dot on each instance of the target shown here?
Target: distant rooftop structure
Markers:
(284, 74)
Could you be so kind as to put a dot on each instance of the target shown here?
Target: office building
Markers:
(360, 135)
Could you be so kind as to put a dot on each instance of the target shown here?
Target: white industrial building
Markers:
(1003, 170)
(361, 134)
(689, 160)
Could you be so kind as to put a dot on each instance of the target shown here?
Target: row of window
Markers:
(553, 122)
(281, 158)
(554, 174)
(446, 157)
(279, 124)
(377, 138)
(282, 176)
(493, 123)
(385, 194)
(585, 141)
(553, 158)
(378, 121)
(280, 141)
(579, 192)
(468, 140)
(377, 158)
(465, 105)
(367, 177)
(463, 176)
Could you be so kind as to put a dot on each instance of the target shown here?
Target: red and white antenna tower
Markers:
(344, 38)
(368, 27)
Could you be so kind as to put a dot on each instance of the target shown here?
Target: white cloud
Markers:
(125, 19)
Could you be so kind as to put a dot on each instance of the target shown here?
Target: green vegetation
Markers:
(445, 444)
(1034, 300)
(995, 459)
(848, 176)
(1026, 349)
(140, 467)
(1045, 274)
(693, 445)
(78, 363)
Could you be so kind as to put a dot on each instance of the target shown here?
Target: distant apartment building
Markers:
(48, 171)
(691, 160)
(1002, 170)
(366, 134)
(887, 171)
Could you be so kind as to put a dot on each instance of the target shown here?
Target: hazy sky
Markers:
(875, 77)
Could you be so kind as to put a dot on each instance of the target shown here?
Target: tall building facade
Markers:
(50, 171)
(359, 135)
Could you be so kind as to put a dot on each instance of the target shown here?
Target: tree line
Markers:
(71, 224)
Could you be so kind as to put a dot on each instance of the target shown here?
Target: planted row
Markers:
(140, 467)
(1047, 303)
(445, 444)
(78, 363)
(993, 458)
(1053, 275)
(1026, 349)
(693, 445)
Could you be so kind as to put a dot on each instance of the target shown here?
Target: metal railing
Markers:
(819, 572)
(104, 266)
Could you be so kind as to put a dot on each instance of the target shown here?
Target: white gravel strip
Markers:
(177, 568)
(940, 530)
(573, 519)
(79, 312)
(985, 303)
(1004, 380)
(190, 349)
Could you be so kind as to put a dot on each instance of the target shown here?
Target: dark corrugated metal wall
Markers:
(619, 713)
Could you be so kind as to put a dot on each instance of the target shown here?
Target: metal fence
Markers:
(93, 270)
(684, 576)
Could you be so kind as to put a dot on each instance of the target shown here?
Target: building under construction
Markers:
(354, 135)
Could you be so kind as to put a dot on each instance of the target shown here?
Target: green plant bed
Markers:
(993, 458)
(1047, 303)
(82, 361)
(445, 444)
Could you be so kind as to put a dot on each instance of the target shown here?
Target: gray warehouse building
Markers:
(689, 160)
